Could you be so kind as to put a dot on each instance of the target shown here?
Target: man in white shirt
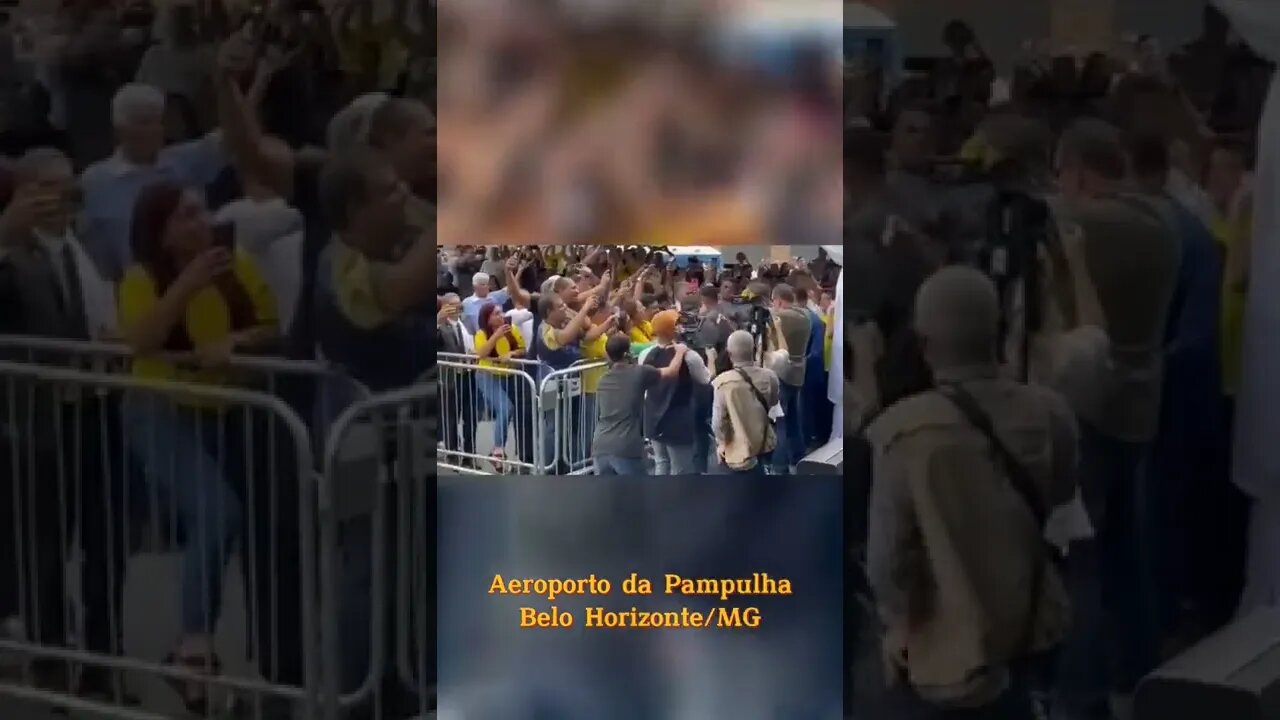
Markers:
(484, 293)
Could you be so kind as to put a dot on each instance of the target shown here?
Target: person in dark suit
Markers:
(458, 397)
(65, 444)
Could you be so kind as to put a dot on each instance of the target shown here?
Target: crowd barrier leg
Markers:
(488, 420)
(569, 412)
(220, 473)
(377, 563)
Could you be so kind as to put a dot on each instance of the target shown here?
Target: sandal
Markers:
(194, 694)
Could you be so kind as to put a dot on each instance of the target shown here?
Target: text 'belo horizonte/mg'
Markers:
(724, 588)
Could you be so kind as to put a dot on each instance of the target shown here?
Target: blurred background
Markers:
(678, 122)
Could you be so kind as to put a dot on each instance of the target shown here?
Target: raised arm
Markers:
(578, 325)
(241, 134)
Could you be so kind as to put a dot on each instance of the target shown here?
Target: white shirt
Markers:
(835, 381)
(271, 233)
(522, 320)
(468, 340)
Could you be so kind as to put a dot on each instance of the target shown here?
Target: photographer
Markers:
(744, 435)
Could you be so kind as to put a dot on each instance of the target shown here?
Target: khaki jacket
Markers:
(952, 547)
(739, 422)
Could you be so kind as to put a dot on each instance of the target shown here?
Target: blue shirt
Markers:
(471, 307)
(1193, 382)
(111, 187)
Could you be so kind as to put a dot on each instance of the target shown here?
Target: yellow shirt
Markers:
(503, 346)
(207, 318)
(827, 319)
(593, 351)
(554, 262)
(638, 335)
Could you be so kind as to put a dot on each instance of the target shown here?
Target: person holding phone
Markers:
(496, 342)
(50, 288)
(185, 294)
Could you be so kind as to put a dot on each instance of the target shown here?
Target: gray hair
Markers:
(133, 100)
(451, 297)
(481, 278)
(351, 127)
(958, 314)
(391, 119)
(741, 347)
(549, 285)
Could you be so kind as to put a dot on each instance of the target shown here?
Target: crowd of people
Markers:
(1049, 281)
(195, 182)
(669, 342)
(626, 122)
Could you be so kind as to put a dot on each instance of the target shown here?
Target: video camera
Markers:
(1018, 224)
(749, 315)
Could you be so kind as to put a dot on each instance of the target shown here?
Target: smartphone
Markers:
(224, 236)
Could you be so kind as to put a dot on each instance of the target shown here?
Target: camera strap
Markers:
(759, 395)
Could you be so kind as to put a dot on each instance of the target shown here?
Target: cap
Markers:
(665, 322)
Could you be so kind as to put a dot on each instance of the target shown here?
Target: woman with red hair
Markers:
(190, 294)
(497, 341)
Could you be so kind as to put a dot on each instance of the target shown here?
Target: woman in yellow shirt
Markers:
(639, 330)
(496, 341)
(189, 294)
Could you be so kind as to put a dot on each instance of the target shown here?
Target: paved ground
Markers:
(150, 628)
(151, 622)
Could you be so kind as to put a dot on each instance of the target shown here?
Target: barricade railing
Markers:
(88, 458)
(390, 540)
(277, 376)
(488, 415)
(538, 426)
(568, 416)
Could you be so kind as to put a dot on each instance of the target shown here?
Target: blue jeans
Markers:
(791, 446)
(187, 456)
(671, 459)
(582, 427)
(617, 465)
(817, 408)
(1113, 639)
(494, 391)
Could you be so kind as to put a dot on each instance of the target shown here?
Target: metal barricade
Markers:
(317, 390)
(82, 456)
(380, 661)
(488, 416)
(567, 402)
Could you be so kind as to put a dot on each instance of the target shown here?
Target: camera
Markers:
(687, 329)
(749, 315)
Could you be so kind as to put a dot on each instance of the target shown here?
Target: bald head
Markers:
(741, 347)
(957, 316)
